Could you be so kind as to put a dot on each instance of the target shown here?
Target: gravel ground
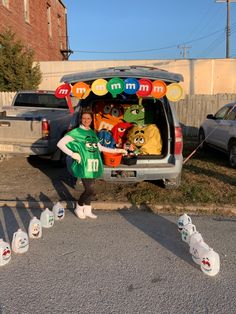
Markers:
(36, 179)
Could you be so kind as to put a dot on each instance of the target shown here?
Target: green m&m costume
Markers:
(86, 144)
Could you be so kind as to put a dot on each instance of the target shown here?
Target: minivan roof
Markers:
(124, 71)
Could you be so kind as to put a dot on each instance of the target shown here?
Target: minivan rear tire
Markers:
(172, 184)
(201, 140)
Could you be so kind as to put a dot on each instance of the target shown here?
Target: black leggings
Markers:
(87, 195)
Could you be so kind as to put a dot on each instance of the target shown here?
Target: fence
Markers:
(191, 110)
(6, 98)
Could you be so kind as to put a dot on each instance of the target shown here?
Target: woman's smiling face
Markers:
(86, 120)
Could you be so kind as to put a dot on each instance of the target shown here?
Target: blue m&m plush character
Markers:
(106, 138)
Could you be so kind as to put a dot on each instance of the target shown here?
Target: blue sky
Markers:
(151, 29)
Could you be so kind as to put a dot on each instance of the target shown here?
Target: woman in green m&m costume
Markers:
(83, 146)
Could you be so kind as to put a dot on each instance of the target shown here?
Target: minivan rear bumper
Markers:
(138, 173)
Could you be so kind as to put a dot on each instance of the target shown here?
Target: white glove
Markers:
(77, 157)
(122, 151)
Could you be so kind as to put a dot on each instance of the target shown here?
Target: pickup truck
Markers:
(33, 124)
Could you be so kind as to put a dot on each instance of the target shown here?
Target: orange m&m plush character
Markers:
(107, 116)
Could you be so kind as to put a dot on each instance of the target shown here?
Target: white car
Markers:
(219, 131)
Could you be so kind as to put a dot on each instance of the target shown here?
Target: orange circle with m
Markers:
(159, 89)
(81, 90)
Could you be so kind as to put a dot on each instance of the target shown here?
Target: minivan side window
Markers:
(232, 114)
(221, 114)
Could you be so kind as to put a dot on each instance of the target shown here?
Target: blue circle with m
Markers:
(131, 86)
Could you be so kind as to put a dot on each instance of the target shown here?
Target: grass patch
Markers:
(206, 179)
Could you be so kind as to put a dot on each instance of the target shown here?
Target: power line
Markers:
(149, 50)
(210, 17)
(216, 43)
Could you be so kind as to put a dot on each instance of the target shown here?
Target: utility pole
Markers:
(184, 51)
(227, 26)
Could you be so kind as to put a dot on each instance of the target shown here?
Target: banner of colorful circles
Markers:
(142, 88)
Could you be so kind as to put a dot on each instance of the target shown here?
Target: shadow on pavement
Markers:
(161, 230)
(59, 180)
(13, 219)
(9, 223)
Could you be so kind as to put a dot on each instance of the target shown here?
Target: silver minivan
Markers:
(219, 131)
(165, 166)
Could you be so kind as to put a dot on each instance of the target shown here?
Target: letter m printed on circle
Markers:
(63, 91)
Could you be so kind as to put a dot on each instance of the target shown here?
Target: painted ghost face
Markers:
(183, 220)
(47, 218)
(106, 116)
(196, 250)
(58, 211)
(20, 242)
(35, 230)
(61, 213)
(51, 220)
(106, 139)
(210, 262)
(5, 252)
(187, 231)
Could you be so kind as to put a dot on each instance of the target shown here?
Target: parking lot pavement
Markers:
(122, 262)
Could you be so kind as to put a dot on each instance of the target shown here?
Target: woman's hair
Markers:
(87, 110)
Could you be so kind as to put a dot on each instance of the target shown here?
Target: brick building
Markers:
(39, 24)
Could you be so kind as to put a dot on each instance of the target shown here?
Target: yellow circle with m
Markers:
(99, 87)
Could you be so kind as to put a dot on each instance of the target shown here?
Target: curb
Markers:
(113, 206)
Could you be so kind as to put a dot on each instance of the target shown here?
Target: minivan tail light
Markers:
(45, 129)
(178, 141)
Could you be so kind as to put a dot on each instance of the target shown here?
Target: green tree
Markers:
(17, 68)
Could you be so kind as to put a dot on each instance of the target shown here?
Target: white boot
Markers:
(79, 212)
(88, 212)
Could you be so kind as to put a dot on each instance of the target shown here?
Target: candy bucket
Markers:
(129, 160)
(112, 160)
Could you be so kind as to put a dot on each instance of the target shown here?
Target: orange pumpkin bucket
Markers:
(112, 160)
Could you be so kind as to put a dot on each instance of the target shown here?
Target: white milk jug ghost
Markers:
(187, 231)
(210, 262)
(5, 252)
(196, 250)
(183, 220)
(47, 218)
(58, 211)
(20, 242)
(194, 239)
(35, 228)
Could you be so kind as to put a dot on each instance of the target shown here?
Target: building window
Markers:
(5, 3)
(49, 20)
(59, 31)
(26, 10)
